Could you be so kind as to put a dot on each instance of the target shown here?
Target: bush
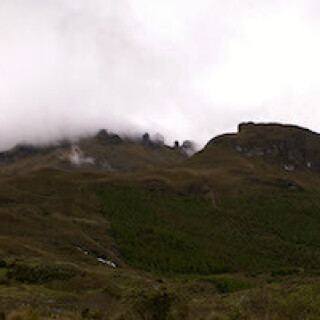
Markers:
(156, 305)
(284, 272)
(229, 285)
(293, 303)
(40, 274)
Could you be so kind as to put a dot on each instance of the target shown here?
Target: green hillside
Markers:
(230, 233)
(172, 234)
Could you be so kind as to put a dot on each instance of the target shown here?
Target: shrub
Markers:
(284, 271)
(40, 274)
(229, 285)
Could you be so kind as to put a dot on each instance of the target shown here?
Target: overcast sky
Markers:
(188, 69)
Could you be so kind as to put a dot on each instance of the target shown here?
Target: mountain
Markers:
(259, 156)
(110, 227)
(290, 146)
(105, 151)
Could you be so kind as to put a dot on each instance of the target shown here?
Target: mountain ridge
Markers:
(104, 151)
(297, 145)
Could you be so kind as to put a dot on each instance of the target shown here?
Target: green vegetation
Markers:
(170, 233)
(278, 303)
(189, 242)
(229, 284)
(225, 235)
(157, 305)
(145, 239)
(285, 272)
(40, 274)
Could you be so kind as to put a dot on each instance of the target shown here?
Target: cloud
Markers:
(187, 69)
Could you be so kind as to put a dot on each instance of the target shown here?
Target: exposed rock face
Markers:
(245, 125)
(147, 142)
(188, 147)
(293, 146)
(105, 137)
(154, 142)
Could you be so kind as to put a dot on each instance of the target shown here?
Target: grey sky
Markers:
(188, 69)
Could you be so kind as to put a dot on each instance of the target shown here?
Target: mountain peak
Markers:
(293, 146)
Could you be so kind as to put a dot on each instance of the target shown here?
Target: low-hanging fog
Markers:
(188, 69)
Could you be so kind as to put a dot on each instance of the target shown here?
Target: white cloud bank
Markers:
(188, 69)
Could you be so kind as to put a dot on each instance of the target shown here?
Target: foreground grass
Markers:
(277, 303)
(286, 301)
(253, 258)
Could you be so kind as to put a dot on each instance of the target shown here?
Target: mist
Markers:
(187, 69)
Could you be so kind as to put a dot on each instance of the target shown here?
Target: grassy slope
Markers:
(171, 242)
(181, 239)
(124, 156)
(185, 234)
(130, 155)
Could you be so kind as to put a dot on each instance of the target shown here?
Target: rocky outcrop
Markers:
(104, 151)
(104, 137)
(292, 146)
(188, 147)
(244, 125)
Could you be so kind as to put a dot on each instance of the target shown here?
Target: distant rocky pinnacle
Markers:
(108, 138)
(102, 151)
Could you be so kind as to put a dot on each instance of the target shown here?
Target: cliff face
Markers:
(293, 146)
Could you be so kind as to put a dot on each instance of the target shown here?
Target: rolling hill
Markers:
(231, 232)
